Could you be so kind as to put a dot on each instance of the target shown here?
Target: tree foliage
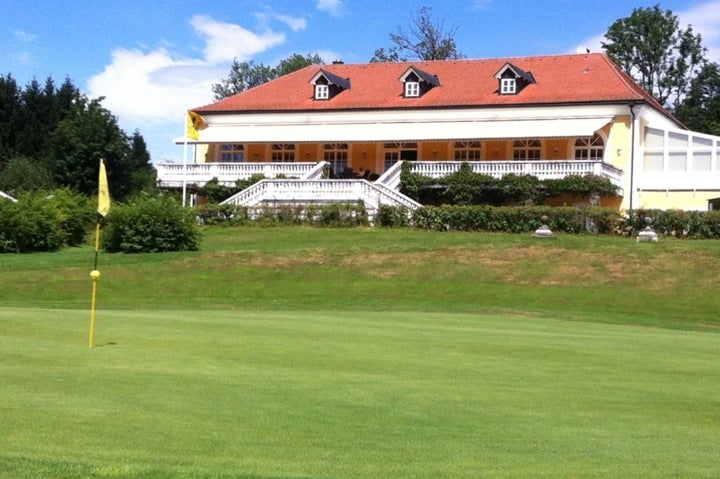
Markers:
(424, 39)
(55, 137)
(246, 75)
(651, 47)
(701, 109)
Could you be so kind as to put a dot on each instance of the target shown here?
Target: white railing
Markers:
(7, 197)
(172, 175)
(320, 191)
(543, 170)
(391, 177)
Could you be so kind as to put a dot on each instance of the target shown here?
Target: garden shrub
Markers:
(464, 187)
(78, 214)
(510, 219)
(34, 223)
(150, 224)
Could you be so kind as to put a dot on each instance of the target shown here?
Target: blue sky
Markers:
(152, 60)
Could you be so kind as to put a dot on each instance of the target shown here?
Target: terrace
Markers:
(304, 183)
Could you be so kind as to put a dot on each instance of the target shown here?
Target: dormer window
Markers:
(508, 86)
(412, 89)
(322, 92)
(512, 80)
(417, 82)
(327, 85)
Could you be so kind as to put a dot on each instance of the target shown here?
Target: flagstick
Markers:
(95, 275)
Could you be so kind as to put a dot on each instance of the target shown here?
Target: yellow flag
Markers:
(195, 123)
(103, 192)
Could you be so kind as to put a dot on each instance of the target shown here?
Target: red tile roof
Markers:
(561, 79)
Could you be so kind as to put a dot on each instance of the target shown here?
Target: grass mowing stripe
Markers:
(353, 394)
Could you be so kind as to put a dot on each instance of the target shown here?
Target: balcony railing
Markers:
(544, 170)
(172, 175)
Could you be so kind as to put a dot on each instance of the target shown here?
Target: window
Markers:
(283, 153)
(467, 150)
(337, 155)
(412, 89)
(508, 86)
(232, 153)
(591, 148)
(322, 92)
(395, 152)
(526, 150)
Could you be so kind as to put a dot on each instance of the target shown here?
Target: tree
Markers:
(701, 109)
(425, 40)
(651, 47)
(246, 75)
(81, 140)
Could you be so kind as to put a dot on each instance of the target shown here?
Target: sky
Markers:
(153, 60)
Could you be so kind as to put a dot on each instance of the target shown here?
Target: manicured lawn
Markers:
(291, 352)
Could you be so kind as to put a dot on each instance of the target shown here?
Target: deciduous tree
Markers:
(424, 39)
(246, 75)
(662, 57)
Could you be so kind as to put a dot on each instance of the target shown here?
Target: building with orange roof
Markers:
(549, 116)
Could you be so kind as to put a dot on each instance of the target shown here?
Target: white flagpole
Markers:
(185, 151)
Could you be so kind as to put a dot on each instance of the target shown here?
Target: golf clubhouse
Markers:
(341, 132)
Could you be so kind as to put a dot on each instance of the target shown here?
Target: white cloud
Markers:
(294, 23)
(24, 37)
(333, 7)
(150, 88)
(155, 86)
(227, 41)
(479, 5)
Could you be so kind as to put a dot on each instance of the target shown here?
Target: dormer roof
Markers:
(331, 78)
(509, 70)
(423, 76)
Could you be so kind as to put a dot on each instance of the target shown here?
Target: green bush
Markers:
(78, 214)
(223, 215)
(34, 223)
(464, 187)
(150, 224)
(393, 217)
(509, 219)
(677, 223)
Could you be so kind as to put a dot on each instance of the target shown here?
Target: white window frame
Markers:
(322, 92)
(468, 150)
(337, 155)
(590, 148)
(508, 86)
(527, 150)
(231, 153)
(282, 153)
(412, 89)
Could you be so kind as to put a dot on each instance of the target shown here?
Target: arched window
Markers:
(526, 150)
(283, 153)
(468, 150)
(590, 148)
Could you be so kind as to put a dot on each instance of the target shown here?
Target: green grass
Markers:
(292, 352)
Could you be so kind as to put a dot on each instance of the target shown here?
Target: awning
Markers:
(401, 131)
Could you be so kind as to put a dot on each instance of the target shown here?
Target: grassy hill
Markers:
(294, 352)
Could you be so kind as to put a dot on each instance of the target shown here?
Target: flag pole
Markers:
(185, 152)
(103, 208)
